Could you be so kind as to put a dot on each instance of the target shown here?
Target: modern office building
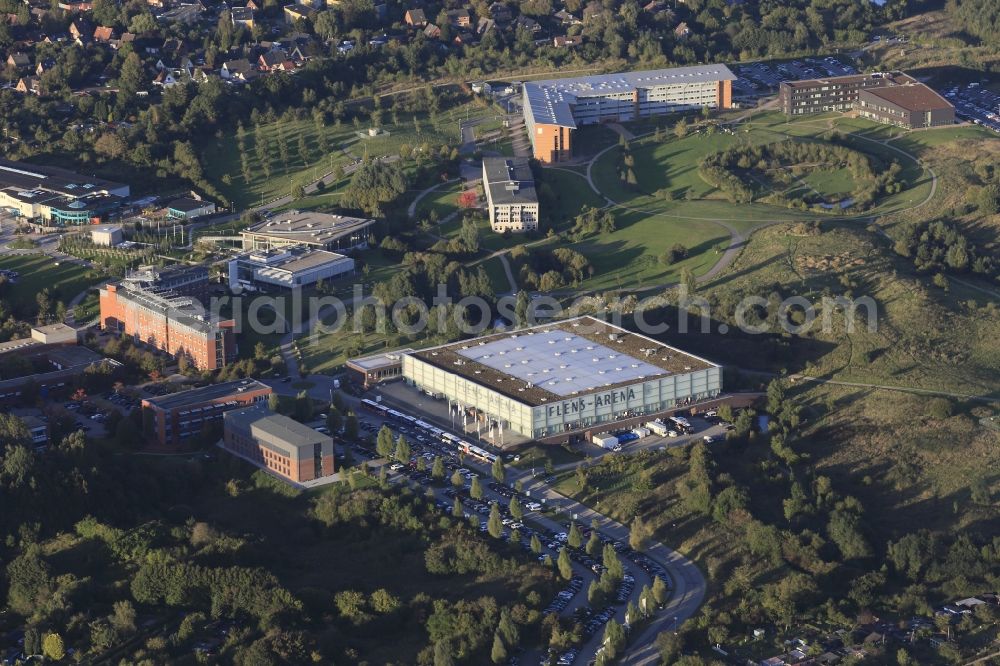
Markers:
(368, 371)
(834, 93)
(278, 444)
(321, 231)
(57, 196)
(287, 267)
(170, 419)
(172, 323)
(912, 106)
(562, 377)
(510, 194)
(553, 109)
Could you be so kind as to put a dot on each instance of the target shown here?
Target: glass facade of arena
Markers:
(573, 412)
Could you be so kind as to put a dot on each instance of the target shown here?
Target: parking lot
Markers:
(527, 523)
(975, 104)
(762, 78)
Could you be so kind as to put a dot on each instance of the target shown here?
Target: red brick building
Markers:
(170, 419)
(175, 324)
(278, 444)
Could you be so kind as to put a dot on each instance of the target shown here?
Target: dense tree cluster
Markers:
(592, 221)
(548, 270)
(940, 246)
(373, 186)
(980, 18)
(93, 538)
(745, 172)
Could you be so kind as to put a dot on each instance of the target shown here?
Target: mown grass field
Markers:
(64, 280)
(440, 203)
(650, 223)
(629, 256)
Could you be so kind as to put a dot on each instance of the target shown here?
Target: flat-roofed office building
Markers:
(169, 420)
(57, 196)
(562, 377)
(367, 371)
(833, 93)
(320, 231)
(278, 444)
(287, 267)
(170, 322)
(510, 194)
(554, 108)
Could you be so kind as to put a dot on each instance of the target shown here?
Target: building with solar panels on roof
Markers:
(563, 377)
(554, 109)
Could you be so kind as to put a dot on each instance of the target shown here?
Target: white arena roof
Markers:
(560, 362)
(550, 361)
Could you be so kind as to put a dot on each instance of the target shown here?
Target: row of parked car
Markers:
(595, 621)
(565, 595)
(122, 400)
(508, 492)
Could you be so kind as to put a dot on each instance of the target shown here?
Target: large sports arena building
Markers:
(553, 109)
(562, 377)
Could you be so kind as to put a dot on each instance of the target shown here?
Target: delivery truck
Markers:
(658, 427)
(605, 441)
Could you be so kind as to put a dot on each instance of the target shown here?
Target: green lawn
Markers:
(539, 456)
(672, 165)
(440, 203)
(572, 194)
(916, 142)
(591, 139)
(89, 308)
(325, 147)
(498, 277)
(629, 256)
(650, 223)
(64, 280)
(327, 351)
(831, 184)
(326, 201)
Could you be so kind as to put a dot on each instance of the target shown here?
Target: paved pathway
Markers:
(904, 389)
(411, 210)
(510, 274)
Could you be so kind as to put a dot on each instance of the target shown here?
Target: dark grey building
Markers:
(910, 106)
(835, 93)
